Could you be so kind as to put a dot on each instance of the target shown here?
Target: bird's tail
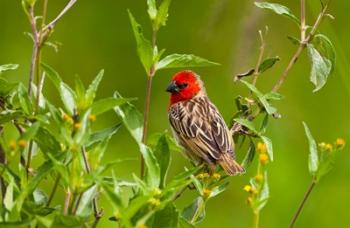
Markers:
(230, 166)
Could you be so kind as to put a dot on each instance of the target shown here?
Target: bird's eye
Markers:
(182, 86)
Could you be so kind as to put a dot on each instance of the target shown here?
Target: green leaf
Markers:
(326, 164)
(103, 134)
(8, 200)
(268, 63)
(218, 189)
(248, 124)
(68, 98)
(85, 206)
(162, 154)
(249, 155)
(273, 96)
(6, 87)
(52, 75)
(152, 9)
(107, 104)
(166, 218)
(144, 46)
(278, 9)
(264, 194)
(190, 212)
(323, 44)
(24, 100)
(269, 109)
(46, 141)
(82, 133)
(91, 91)
(42, 172)
(131, 117)
(8, 67)
(268, 144)
(153, 170)
(133, 121)
(321, 68)
(31, 132)
(294, 40)
(183, 60)
(313, 153)
(9, 115)
(68, 221)
(162, 15)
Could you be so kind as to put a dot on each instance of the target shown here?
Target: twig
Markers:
(306, 196)
(261, 55)
(300, 49)
(67, 201)
(52, 24)
(302, 20)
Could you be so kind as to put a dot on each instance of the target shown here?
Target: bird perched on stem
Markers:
(198, 125)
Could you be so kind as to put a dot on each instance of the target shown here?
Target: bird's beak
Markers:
(172, 88)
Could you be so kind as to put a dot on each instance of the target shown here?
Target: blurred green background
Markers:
(97, 34)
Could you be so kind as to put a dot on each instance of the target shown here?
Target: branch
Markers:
(302, 45)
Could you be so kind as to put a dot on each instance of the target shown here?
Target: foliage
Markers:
(68, 153)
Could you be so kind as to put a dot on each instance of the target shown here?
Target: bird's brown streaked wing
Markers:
(201, 127)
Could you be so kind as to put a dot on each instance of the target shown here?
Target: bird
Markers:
(198, 125)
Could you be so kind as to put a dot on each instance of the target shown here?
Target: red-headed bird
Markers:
(198, 125)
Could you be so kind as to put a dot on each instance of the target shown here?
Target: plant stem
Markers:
(150, 76)
(261, 55)
(256, 219)
(35, 51)
(302, 204)
(2, 161)
(53, 191)
(67, 201)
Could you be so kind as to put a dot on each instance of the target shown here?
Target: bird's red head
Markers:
(184, 86)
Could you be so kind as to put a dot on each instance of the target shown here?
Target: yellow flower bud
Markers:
(340, 142)
(259, 178)
(206, 192)
(247, 188)
(77, 125)
(203, 175)
(92, 118)
(329, 147)
(156, 191)
(154, 202)
(22, 143)
(216, 176)
(322, 145)
(142, 225)
(261, 148)
(67, 118)
(263, 158)
(13, 144)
